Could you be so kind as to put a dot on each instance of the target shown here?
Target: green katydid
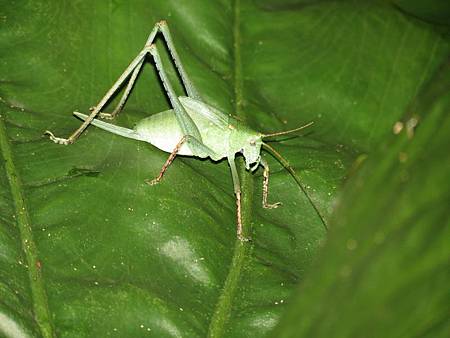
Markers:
(191, 128)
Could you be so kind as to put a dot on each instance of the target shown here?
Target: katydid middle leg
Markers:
(185, 139)
(237, 192)
(168, 162)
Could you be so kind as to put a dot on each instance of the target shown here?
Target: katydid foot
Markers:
(272, 206)
(58, 140)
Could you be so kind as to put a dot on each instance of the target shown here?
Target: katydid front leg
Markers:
(266, 187)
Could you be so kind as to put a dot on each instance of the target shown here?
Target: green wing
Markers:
(213, 115)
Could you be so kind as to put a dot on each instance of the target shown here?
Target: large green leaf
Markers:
(384, 272)
(88, 249)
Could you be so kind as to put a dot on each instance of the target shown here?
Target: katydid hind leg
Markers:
(190, 89)
(125, 95)
(187, 125)
(132, 66)
(134, 75)
(266, 187)
(133, 69)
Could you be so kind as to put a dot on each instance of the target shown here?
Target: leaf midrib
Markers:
(39, 296)
(242, 250)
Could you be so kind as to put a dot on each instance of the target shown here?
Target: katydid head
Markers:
(252, 151)
(253, 142)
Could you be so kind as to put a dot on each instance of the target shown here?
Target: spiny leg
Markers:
(266, 187)
(190, 89)
(138, 59)
(168, 162)
(149, 41)
(187, 125)
(185, 139)
(239, 231)
(133, 68)
(123, 99)
(237, 192)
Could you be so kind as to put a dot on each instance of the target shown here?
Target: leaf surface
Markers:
(89, 249)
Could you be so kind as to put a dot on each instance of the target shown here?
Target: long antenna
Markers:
(288, 167)
(288, 131)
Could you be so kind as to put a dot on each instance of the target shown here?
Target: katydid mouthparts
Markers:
(190, 128)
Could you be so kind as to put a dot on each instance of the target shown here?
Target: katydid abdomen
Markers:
(164, 132)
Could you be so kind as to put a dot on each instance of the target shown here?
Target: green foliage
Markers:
(87, 249)
(384, 271)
